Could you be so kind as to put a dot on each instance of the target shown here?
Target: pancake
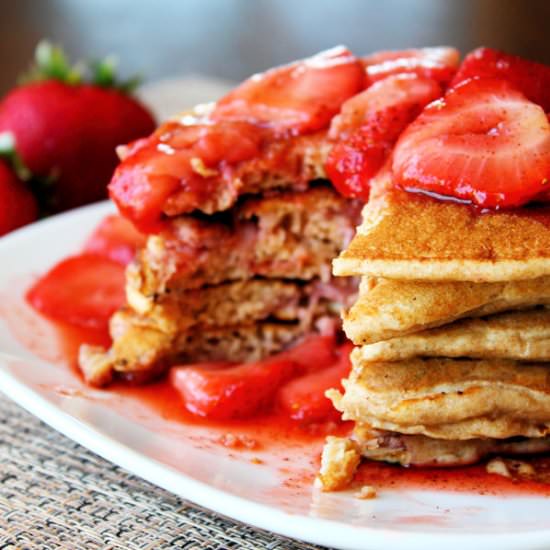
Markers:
(292, 235)
(237, 286)
(523, 335)
(239, 321)
(341, 456)
(243, 302)
(388, 308)
(145, 352)
(422, 451)
(410, 236)
(453, 399)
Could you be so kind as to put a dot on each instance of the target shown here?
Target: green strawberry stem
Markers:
(51, 63)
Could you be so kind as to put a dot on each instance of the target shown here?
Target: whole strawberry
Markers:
(67, 126)
(17, 203)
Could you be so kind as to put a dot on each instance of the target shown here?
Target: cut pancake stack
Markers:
(238, 284)
(453, 340)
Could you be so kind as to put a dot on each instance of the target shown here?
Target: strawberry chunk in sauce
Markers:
(223, 391)
(83, 290)
(115, 238)
(438, 64)
(304, 399)
(187, 159)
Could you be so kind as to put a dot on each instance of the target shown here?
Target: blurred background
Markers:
(231, 39)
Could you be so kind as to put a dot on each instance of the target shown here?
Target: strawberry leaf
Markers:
(103, 74)
(51, 63)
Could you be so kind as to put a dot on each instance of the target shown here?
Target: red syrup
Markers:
(537, 211)
(467, 479)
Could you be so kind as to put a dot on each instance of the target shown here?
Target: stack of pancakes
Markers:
(453, 340)
(243, 275)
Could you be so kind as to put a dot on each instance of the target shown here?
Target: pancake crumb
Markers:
(366, 492)
(238, 441)
(511, 468)
(498, 467)
(339, 462)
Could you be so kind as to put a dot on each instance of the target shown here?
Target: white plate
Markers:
(187, 461)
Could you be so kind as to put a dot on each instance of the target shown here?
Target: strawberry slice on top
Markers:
(369, 125)
(300, 97)
(484, 143)
(197, 157)
(530, 77)
(437, 63)
(179, 158)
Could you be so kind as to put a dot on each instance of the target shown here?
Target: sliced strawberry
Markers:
(227, 141)
(222, 390)
(304, 398)
(301, 97)
(529, 77)
(178, 158)
(484, 143)
(437, 63)
(313, 353)
(143, 182)
(353, 163)
(231, 392)
(385, 107)
(368, 126)
(115, 238)
(83, 290)
(18, 206)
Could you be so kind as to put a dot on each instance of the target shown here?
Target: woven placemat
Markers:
(56, 494)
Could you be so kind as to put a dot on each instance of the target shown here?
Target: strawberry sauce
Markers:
(164, 401)
(468, 479)
(264, 432)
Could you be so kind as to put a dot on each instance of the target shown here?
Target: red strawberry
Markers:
(18, 206)
(437, 63)
(483, 142)
(83, 290)
(353, 163)
(67, 130)
(222, 390)
(115, 238)
(529, 77)
(301, 97)
(369, 124)
(313, 353)
(385, 106)
(231, 392)
(155, 168)
(304, 398)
